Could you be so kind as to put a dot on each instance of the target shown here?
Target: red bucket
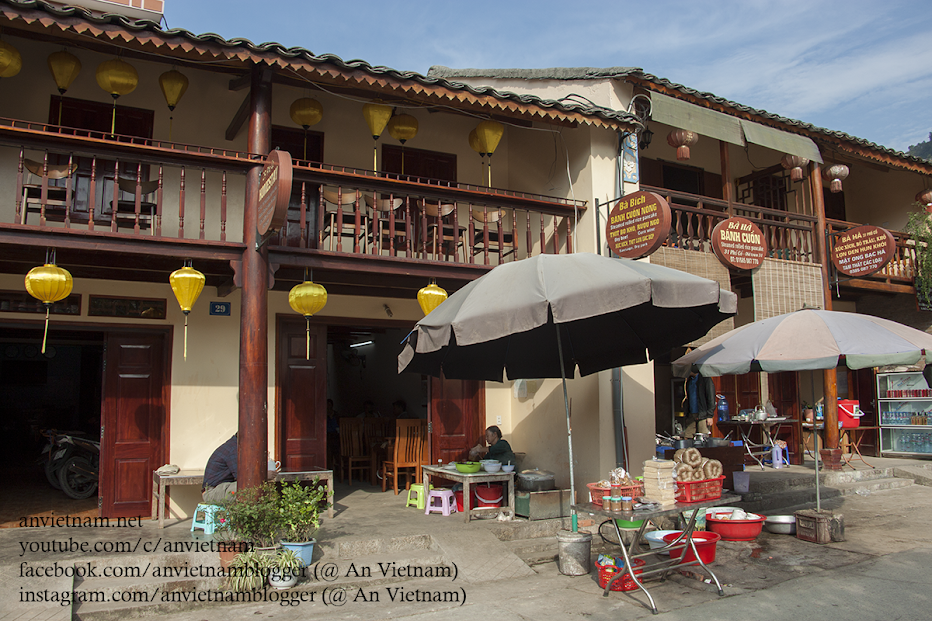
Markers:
(849, 413)
(705, 545)
(489, 495)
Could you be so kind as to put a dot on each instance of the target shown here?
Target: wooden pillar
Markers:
(254, 338)
(831, 453)
(728, 188)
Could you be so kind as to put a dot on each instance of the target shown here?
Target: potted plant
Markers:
(919, 228)
(253, 516)
(300, 507)
(808, 413)
(284, 569)
(249, 571)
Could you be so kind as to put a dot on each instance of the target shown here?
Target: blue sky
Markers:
(863, 67)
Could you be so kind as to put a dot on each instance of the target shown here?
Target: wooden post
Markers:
(728, 188)
(253, 348)
(831, 453)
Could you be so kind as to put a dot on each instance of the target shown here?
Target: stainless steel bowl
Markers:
(781, 524)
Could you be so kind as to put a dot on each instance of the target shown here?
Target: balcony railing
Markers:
(128, 186)
(902, 267)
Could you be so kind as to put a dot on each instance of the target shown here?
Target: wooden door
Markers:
(741, 392)
(133, 421)
(301, 441)
(784, 394)
(457, 418)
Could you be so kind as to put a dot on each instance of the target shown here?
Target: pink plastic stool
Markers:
(447, 503)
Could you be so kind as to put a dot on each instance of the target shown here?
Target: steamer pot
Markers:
(535, 481)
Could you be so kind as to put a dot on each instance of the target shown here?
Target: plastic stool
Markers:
(784, 455)
(207, 522)
(447, 503)
(418, 500)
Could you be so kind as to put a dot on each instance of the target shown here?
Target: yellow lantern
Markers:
(430, 297)
(376, 115)
(306, 112)
(307, 298)
(187, 284)
(489, 134)
(117, 78)
(65, 67)
(474, 142)
(48, 283)
(10, 60)
(402, 127)
(173, 84)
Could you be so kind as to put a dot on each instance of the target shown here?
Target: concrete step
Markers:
(151, 596)
(921, 475)
(774, 481)
(348, 548)
(764, 502)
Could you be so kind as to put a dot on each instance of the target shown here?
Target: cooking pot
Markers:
(535, 481)
(682, 444)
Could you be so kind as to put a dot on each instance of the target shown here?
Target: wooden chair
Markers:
(355, 452)
(344, 201)
(500, 241)
(126, 208)
(56, 203)
(410, 452)
(379, 436)
(442, 236)
(389, 235)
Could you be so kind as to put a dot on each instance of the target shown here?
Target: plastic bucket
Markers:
(705, 545)
(489, 496)
(849, 413)
(575, 550)
(742, 482)
(458, 495)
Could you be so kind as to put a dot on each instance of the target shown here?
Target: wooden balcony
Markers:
(116, 190)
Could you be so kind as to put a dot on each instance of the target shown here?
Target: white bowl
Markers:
(655, 538)
(508, 468)
(492, 466)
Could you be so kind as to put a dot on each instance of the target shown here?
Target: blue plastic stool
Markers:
(207, 522)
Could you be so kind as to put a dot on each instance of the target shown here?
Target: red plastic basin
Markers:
(735, 530)
(705, 545)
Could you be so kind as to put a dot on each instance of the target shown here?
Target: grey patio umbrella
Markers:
(809, 340)
(547, 315)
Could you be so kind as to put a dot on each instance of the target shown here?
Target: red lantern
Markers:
(925, 198)
(836, 173)
(795, 165)
(682, 139)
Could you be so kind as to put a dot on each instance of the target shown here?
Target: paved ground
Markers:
(880, 572)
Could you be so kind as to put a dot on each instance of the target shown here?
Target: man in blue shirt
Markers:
(699, 405)
(220, 473)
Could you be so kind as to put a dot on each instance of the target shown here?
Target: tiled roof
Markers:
(662, 84)
(185, 44)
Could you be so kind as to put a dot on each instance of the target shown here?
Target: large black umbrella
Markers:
(547, 315)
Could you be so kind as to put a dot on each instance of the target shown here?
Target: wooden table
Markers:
(653, 565)
(161, 482)
(468, 480)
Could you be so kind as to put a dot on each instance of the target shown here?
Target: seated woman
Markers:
(497, 449)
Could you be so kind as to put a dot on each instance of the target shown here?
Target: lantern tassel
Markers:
(307, 322)
(113, 119)
(186, 336)
(375, 157)
(46, 332)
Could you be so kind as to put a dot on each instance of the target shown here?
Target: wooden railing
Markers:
(789, 235)
(901, 268)
(66, 179)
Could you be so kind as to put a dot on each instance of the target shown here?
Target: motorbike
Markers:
(78, 475)
(55, 453)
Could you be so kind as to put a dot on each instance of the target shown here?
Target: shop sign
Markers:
(738, 243)
(862, 250)
(274, 192)
(638, 225)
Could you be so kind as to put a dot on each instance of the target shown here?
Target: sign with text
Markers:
(220, 308)
(274, 192)
(738, 243)
(638, 225)
(862, 250)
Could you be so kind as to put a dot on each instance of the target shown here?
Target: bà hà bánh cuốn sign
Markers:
(638, 224)
(738, 243)
(274, 192)
(863, 250)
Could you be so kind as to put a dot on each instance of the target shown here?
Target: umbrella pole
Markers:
(815, 444)
(569, 432)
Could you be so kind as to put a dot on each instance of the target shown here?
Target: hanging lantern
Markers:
(173, 84)
(836, 173)
(117, 78)
(681, 140)
(10, 60)
(306, 112)
(376, 115)
(187, 284)
(474, 143)
(48, 284)
(795, 165)
(431, 296)
(402, 127)
(489, 134)
(924, 198)
(65, 67)
(307, 298)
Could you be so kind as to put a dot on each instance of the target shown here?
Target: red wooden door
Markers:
(302, 395)
(457, 418)
(133, 421)
(784, 393)
(741, 392)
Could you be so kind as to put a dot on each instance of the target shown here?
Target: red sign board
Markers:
(274, 192)
(738, 243)
(863, 250)
(638, 225)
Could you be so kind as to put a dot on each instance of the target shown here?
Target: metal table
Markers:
(769, 430)
(161, 482)
(469, 480)
(654, 566)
